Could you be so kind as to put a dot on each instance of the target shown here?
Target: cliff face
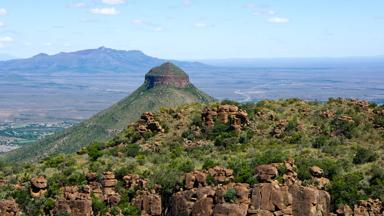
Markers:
(167, 74)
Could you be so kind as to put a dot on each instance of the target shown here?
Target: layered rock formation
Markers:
(167, 74)
(74, 202)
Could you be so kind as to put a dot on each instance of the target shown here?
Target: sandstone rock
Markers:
(73, 202)
(195, 179)
(148, 123)
(265, 173)
(369, 207)
(321, 182)
(148, 203)
(9, 208)
(344, 210)
(230, 209)
(278, 130)
(38, 186)
(316, 171)
(226, 114)
(220, 174)
(135, 182)
(309, 201)
(91, 177)
(109, 180)
(203, 207)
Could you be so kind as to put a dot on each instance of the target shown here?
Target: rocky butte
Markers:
(167, 74)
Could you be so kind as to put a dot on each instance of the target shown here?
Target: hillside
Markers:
(286, 157)
(101, 60)
(148, 97)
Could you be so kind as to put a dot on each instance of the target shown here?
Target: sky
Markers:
(195, 29)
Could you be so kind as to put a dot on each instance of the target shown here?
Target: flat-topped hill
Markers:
(167, 74)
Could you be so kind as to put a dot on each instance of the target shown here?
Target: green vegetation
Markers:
(340, 136)
(106, 124)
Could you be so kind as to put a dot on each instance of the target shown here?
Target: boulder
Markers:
(9, 208)
(344, 210)
(230, 209)
(309, 201)
(38, 186)
(195, 179)
(74, 202)
(220, 174)
(265, 173)
(316, 171)
(148, 203)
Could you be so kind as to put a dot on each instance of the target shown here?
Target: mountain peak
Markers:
(167, 74)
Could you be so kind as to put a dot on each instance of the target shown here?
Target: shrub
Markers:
(94, 151)
(347, 189)
(230, 195)
(376, 188)
(242, 171)
(98, 206)
(209, 163)
(364, 155)
(132, 150)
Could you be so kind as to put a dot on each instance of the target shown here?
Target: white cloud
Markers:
(200, 24)
(104, 11)
(5, 40)
(278, 20)
(48, 44)
(158, 29)
(138, 21)
(2, 24)
(113, 2)
(3, 12)
(79, 5)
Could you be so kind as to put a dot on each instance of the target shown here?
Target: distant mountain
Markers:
(164, 86)
(101, 60)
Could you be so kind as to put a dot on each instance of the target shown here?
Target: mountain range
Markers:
(100, 60)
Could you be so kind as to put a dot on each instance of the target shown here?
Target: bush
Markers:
(98, 206)
(347, 189)
(242, 171)
(364, 155)
(94, 151)
(376, 188)
(132, 150)
(230, 195)
(209, 163)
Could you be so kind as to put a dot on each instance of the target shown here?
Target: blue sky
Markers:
(195, 29)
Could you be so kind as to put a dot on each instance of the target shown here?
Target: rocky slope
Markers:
(170, 88)
(287, 157)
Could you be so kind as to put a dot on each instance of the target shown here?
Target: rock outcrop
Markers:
(149, 203)
(74, 202)
(317, 177)
(38, 186)
(110, 195)
(226, 114)
(148, 123)
(370, 207)
(9, 208)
